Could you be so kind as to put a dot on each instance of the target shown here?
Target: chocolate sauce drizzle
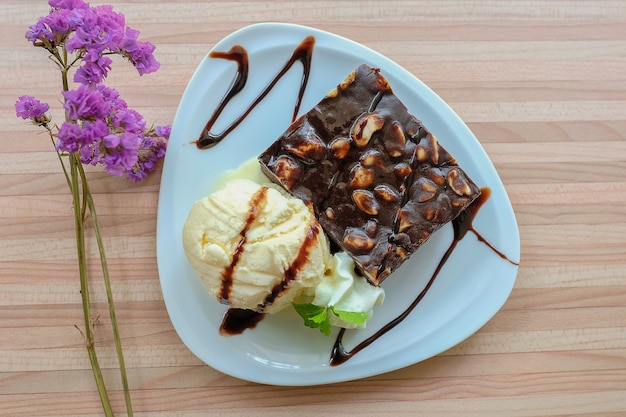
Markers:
(303, 53)
(237, 320)
(301, 259)
(257, 202)
(462, 224)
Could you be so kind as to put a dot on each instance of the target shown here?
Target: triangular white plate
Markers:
(471, 288)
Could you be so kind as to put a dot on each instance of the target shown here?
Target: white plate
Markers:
(468, 292)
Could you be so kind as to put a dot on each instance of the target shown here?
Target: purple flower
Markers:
(151, 150)
(139, 53)
(89, 32)
(129, 43)
(163, 131)
(100, 126)
(58, 21)
(129, 120)
(111, 141)
(70, 137)
(121, 152)
(68, 4)
(28, 107)
(85, 103)
(39, 32)
(55, 27)
(94, 69)
(111, 96)
(85, 140)
(108, 17)
(94, 131)
(101, 29)
(106, 132)
(144, 60)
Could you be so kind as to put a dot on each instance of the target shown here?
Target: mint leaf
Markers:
(310, 311)
(325, 325)
(317, 317)
(358, 318)
(314, 316)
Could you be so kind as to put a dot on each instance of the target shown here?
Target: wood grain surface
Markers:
(541, 83)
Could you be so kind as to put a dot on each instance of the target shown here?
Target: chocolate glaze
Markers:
(303, 53)
(256, 205)
(240, 56)
(237, 320)
(301, 259)
(461, 225)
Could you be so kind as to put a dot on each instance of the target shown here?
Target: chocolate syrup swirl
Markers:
(237, 320)
(462, 224)
(301, 259)
(240, 56)
(257, 202)
(303, 53)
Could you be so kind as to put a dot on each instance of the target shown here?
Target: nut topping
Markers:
(430, 213)
(435, 175)
(371, 227)
(348, 80)
(458, 184)
(427, 190)
(365, 201)
(401, 252)
(332, 93)
(404, 221)
(434, 147)
(421, 154)
(386, 193)
(342, 85)
(312, 148)
(286, 170)
(357, 240)
(361, 177)
(365, 127)
(402, 170)
(340, 147)
(395, 142)
(372, 158)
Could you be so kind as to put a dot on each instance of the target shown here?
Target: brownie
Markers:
(378, 180)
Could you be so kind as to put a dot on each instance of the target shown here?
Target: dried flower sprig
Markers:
(99, 129)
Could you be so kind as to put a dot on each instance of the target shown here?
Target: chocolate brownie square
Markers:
(378, 180)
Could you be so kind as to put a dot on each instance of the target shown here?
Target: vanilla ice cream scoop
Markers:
(255, 247)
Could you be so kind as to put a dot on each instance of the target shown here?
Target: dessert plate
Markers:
(469, 290)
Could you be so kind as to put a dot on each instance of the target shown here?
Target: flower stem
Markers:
(77, 182)
(107, 284)
(84, 287)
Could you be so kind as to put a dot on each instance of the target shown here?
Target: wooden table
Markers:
(541, 83)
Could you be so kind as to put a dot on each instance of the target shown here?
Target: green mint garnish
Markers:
(314, 317)
(318, 317)
(357, 318)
